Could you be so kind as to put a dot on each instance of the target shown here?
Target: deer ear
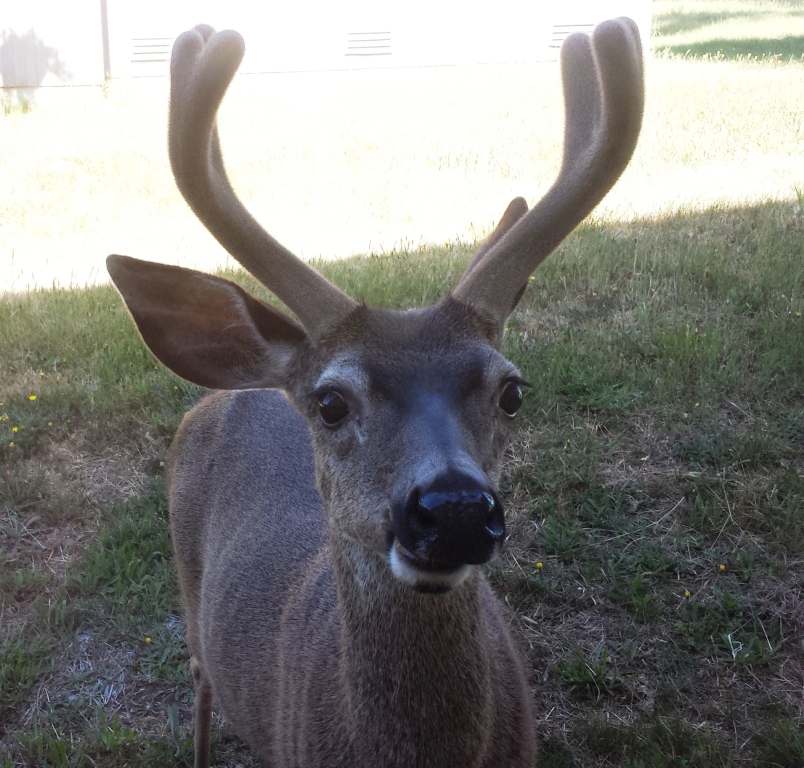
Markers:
(206, 329)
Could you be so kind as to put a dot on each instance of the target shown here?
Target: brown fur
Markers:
(329, 611)
(317, 654)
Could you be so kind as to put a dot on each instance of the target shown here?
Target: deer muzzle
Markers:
(452, 522)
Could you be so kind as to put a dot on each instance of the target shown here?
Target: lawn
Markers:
(654, 575)
(341, 163)
(730, 29)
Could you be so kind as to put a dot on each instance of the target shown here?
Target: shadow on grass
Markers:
(673, 23)
(785, 48)
(679, 339)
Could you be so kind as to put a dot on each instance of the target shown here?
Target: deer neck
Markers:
(425, 658)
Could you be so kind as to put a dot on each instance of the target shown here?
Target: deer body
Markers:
(327, 539)
(305, 659)
(317, 637)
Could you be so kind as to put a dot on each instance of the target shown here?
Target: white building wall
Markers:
(53, 42)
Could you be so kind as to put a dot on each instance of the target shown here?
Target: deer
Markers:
(333, 502)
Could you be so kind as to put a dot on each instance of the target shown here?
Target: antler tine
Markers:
(516, 209)
(603, 92)
(202, 67)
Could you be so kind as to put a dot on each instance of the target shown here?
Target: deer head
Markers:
(408, 411)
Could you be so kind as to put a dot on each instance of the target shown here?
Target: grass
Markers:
(730, 29)
(655, 570)
(657, 480)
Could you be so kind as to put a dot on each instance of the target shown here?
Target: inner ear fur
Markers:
(206, 329)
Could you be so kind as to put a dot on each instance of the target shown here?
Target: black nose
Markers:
(453, 521)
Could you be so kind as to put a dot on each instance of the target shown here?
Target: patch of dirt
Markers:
(57, 509)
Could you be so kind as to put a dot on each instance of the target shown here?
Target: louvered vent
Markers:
(562, 31)
(368, 43)
(151, 50)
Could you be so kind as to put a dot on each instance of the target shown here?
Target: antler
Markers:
(202, 66)
(603, 93)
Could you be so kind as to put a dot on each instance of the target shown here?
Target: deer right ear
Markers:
(206, 329)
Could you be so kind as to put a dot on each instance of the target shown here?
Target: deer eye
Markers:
(332, 408)
(511, 398)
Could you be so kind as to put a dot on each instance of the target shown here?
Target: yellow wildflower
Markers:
(540, 565)
(32, 397)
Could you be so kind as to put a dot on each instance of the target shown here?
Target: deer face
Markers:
(409, 413)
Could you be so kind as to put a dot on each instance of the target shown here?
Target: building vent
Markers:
(368, 43)
(151, 50)
(562, 31)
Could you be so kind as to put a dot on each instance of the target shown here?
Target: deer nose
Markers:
(453, 521)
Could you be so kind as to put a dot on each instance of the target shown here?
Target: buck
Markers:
(330, 511)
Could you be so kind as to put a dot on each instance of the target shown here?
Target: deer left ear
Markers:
(206, 329)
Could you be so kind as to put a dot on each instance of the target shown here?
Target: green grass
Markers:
(105, 641)
(730, 29)
(657, 477)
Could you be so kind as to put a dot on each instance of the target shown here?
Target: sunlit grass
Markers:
(730, 28)
(365, 162)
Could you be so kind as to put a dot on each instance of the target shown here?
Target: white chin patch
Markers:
(427, 581)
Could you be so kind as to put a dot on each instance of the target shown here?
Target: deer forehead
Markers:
(460, 373)
(403, 356)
